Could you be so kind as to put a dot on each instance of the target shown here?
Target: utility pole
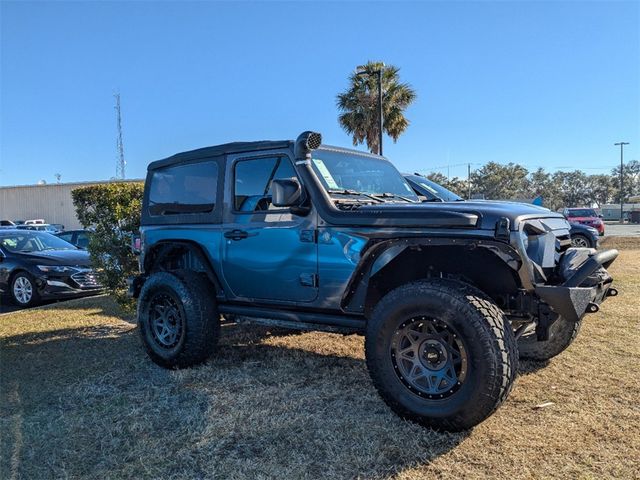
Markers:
(120, 162)
(468, 181)
(622, 144)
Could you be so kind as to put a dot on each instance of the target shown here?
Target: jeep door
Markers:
(267, 252)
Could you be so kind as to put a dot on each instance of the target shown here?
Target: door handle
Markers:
(236, 234)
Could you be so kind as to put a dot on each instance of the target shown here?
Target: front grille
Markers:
(86, 279)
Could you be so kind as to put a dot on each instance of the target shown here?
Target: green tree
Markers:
(573, 188)
(113, 211)
(500, 182)
(600, 189)
(631, 180)
(358, 105)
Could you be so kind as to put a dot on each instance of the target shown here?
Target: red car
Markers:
(585, 216)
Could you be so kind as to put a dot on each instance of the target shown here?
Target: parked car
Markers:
(7, 224)
(429, 191)
(37, 265)
(296, 234)
(585, 216)
(79, 238)
(40, 227)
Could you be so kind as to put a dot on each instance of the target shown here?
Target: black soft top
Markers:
(217, 150)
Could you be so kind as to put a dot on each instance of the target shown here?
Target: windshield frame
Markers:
(324, 168)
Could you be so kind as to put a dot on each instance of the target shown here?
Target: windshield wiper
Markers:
(393, 195)
(346, 191)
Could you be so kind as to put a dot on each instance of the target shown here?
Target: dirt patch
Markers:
(627, 243)
(79, 398)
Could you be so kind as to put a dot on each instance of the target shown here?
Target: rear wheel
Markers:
(178, 319)
(441, 354)
(562, 333)
(24, 291)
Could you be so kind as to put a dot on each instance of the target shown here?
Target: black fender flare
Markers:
(164, 248)
(382, 252)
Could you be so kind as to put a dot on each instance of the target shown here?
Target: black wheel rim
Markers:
(165, 320)
(429, 357)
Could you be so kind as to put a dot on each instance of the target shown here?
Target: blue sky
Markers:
(550, 84)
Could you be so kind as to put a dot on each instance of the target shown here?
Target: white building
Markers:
(51, 202)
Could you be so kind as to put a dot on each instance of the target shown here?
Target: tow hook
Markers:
(592, 307)
(612, 292)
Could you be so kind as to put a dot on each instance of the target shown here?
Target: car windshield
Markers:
(361, 175)
(582, 212)
(31, 241)
(432, 190)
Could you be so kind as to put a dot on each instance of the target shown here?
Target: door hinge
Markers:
(309, 279)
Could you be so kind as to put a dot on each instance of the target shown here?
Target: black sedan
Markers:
(35, 266)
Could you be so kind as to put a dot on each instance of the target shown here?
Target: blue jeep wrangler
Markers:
(301, 235)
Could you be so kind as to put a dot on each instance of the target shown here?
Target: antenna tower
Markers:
(120, 162)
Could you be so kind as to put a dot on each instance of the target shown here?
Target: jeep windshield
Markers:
(361, 177)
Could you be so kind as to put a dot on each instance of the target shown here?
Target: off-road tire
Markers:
(562, 333)
(35, 296)
(487, 337)
(194, 296)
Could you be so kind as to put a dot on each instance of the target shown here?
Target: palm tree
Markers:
(358, 105)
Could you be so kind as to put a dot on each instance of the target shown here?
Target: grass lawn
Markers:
(79, 398)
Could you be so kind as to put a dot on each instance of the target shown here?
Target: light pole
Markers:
(622, 144)
(364, 70)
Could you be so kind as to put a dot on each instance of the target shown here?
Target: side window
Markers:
(83, 240)
(252, 187)
(184, 189)
(67, 237)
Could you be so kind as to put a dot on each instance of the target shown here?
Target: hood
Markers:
(74, 258)
(487, 212)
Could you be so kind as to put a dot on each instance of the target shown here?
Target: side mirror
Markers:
(286, 192)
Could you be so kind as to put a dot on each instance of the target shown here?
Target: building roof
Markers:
(63, 184)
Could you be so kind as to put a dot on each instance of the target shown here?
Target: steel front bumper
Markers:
(586, 284)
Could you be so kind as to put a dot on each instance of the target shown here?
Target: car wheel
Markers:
(580, 241)
(441, 353)
(178, 318)
(562, 333)
(24, 291)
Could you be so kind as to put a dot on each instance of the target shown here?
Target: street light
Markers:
(622, 144)
(364, 70)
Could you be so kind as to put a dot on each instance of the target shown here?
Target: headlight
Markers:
(56, 269)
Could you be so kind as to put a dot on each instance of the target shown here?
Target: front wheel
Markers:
(580, 241)
(24, 291)
(441, 354)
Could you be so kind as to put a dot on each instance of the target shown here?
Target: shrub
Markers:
(112, 210)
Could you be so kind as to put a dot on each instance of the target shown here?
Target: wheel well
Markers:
(179, 255)
(479, 267)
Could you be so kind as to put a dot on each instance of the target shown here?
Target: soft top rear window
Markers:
(184, 189)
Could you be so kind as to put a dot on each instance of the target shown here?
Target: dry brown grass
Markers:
(80, 399)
